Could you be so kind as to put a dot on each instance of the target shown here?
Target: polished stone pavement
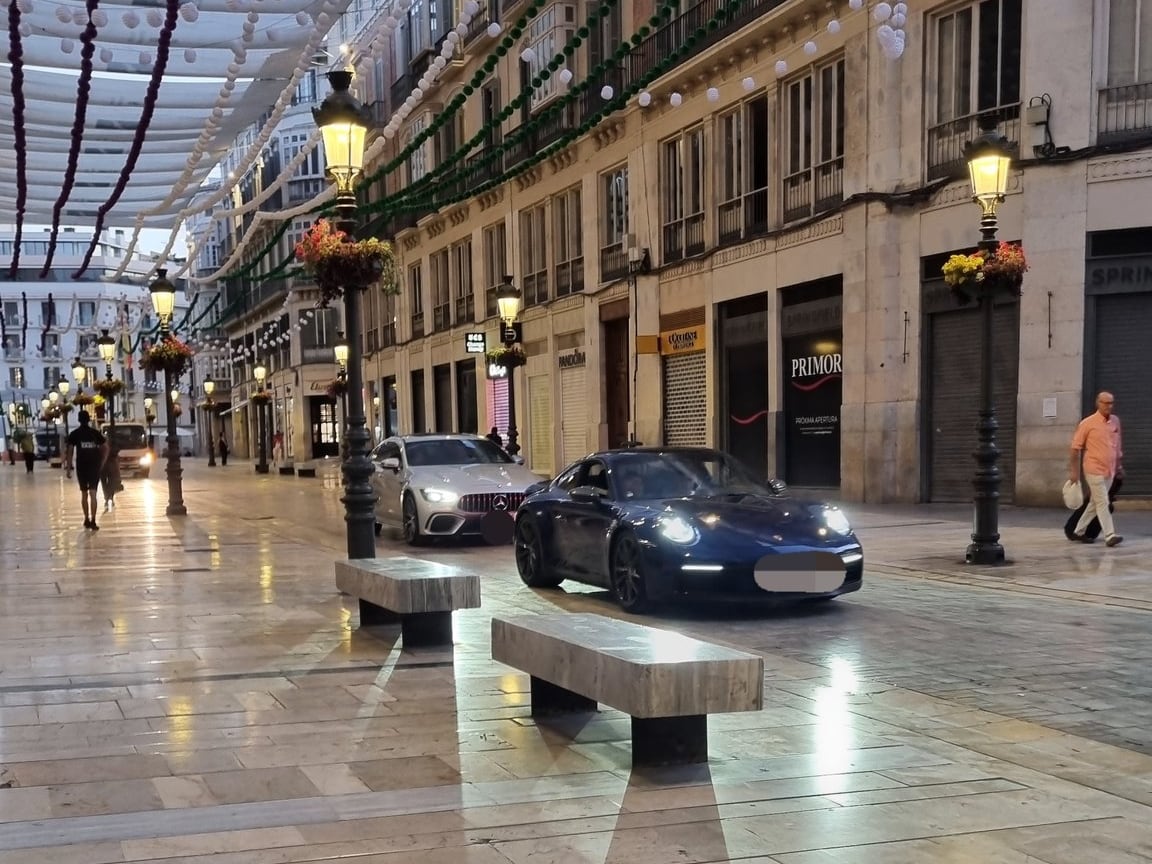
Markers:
(195, 689)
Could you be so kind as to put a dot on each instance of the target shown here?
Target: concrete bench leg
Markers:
(669, 740)
(426, 628)
(548, 698)
(372, 615)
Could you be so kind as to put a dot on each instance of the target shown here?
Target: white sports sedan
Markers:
(447, 486)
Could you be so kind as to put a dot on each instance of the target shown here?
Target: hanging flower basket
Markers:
(82, 400)
(337, 388)
(177, 410)
(107, 388)
(1000, 273)
(260, 397)
(169, 355)
(510, 357)
(337, 262)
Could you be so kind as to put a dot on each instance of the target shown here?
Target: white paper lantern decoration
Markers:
(900, 9)
(898, 19)
(834, 26)
(712, 94)
(80, 17)
(303, 19)
(25, 29)
(417, 94)
(460, 32)
(100, 18)
(63, 15)
(606, 92)
(884, 34)
(494, 29)
(471, 7)
(781, 67)
(749, 84)
(675, 99)
(145, 58)
(528, 55)
(131, 20)
(67, 45)
(253, 18)
(155, 18)
(189, 12)
(106, 55)
(645, 99)
(565, 76)
(439, 63)
(809, 47)
(883, 11)
(855, 5)
(25, 6)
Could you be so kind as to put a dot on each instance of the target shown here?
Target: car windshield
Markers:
(127, 437)
(455, 451)
(685, 473)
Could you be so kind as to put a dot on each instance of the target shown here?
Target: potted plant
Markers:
(260, 397)
(337, 388)
(508, 356)
(108, 387)
(337, 262)
(170, 355)
(82, 400)
(999, 272)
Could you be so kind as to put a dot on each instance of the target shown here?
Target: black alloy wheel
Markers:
(410, 524)
(629, 587)
(530, 563)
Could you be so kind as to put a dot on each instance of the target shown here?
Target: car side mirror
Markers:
(390, 463)
(588, 494)
(778, 487)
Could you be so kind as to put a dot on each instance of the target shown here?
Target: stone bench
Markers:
(667, 682)
(421, 595)
(306, 469)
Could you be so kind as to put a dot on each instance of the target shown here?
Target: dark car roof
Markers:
(660, 451)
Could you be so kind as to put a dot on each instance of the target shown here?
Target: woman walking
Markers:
(110, 475)
(223, 450)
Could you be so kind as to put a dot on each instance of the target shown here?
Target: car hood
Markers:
(761, 518)
(464, 479)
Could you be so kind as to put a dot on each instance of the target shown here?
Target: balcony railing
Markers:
(462, 309)
(490, 304)
(946, 140)
(743, 218)
(813, 190)
(683, 238)
(613, 262)
(388, 335)
(380, 113)
(441, 317)
(372, 340)
(13, 352)
(480, 21)
(317, 354)
(417, 325)
(1125, 113)
(552, 126)
(570, 277)
(536, 288)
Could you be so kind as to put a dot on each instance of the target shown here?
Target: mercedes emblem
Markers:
(500, 502)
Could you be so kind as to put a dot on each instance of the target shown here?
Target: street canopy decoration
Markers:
(121, 108)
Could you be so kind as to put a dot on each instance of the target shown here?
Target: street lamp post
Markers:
(107, 346)
(210, 405)
(149, 417)
(989, 158)
(341, 350)
(344, 123)
(508, 305)
(261, 372)
(163, 295)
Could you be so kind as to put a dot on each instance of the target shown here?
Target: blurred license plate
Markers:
(800, 572)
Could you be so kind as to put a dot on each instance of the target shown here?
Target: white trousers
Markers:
(1098, 486)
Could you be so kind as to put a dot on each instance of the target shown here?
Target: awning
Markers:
(233, 408)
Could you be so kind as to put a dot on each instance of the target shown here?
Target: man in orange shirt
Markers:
(1097, 444)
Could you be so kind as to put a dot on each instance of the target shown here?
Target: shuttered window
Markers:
(540, 456)
(574, 414)
(685, 400)
(1123, 325)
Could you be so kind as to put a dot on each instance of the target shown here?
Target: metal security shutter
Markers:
(955, 400)
(498, 406)
(685, 400)
(1122, 331)
(540, 454)
(573, 414)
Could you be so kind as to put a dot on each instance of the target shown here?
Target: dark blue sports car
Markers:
(653, 524)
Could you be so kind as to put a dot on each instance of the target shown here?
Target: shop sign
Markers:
(571, 360)
(497, 372)
(814, 369)
(686, 340)
(475, 343)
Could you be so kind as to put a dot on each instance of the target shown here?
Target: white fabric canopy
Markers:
(252, 46)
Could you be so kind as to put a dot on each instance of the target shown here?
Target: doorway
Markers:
(616, 389)
(442, 398)
(419, 413)
(325, 430)
(466, 420)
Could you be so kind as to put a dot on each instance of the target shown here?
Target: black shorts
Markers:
(88, 479)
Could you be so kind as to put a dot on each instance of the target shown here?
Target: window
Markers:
(52, 346)
(614, 224)
(11, 313)
(12, 347)
(547, 35)
(441, 295)
(48, 313)
(87, 346)
(317, 337)
(742, 171)
(15, 378)
(388, 330)
(418, 161)
(682, 194)
(51, 377)
(463, 310)
(448, 139)
(416, 299)
(490, 112)
(495, 264)
(568, 242)
(1126, 102)
(974, 55)
(814, 142)
(534, 254)
(86, 313)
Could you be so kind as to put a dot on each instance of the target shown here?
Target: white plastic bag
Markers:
(1073, 495)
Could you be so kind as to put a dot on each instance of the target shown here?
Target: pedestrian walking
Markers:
(494, 436)
(110, 476)
(87, 450)
(223, 450)
(1098, 451)
(28, 449)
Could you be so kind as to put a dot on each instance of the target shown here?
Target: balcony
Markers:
(946, 140)
(548, 127)
(380, 113)
(743, 218)
(441, 317)
(684, 238)
(814, 190)
(306, 189)
(570, 277)
(317, 355)
(480, 21)
(417, 325)
(462, 309)
(536, 288)
(1125, 113)
(613, 262)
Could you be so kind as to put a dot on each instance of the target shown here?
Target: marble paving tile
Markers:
(259, 784)
(19, 805)
(103, 797)
(63, 771)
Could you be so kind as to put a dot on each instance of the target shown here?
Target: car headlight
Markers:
(439, 496)
(837, 521)
(678, 530)
(146, 460)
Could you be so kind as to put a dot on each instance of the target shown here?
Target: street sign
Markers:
(512, 333)
(475, 343)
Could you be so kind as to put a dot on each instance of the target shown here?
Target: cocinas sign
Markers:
(683, 341)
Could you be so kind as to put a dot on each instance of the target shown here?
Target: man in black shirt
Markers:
(90, 449)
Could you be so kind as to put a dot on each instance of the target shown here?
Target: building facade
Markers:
(795, 191)
(47, 322)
